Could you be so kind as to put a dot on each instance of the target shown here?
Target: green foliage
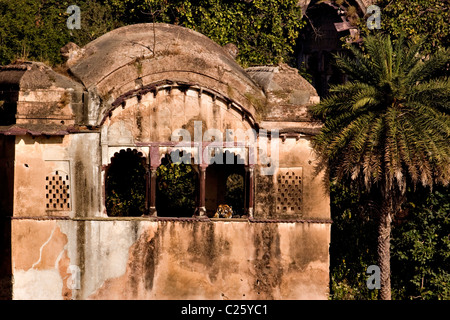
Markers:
(421, 247)
(36, 30)
(32, 30)
(263, 30)
(302, 70)
(234, 195)
(353, 244)
(428, 19)
(386, 127)
(176, 191)
(97, 18)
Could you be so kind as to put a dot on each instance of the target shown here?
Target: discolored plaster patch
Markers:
(40, 255)
(41, 241)
(138, 278)
(267, 265)
(226, 260)
(63, 268)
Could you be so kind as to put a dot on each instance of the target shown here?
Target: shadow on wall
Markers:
(7, 147)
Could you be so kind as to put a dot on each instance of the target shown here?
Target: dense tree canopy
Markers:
(263, 30)
(32, 29)
(416, 19)
(420, 259)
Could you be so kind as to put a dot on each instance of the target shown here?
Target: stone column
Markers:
(251, 189)
(155, 161)
(152, 199)
(201, 208)
(147, 189)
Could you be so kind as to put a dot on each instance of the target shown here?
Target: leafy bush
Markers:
(353, 244)
(264, 31)
(234, 195)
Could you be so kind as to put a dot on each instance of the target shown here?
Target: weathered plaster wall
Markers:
(131, 97)
(142, 259)
(128, 58)
(77, 156)
(294, 154)
(157, 117)
(145, 259)
(36, 95)
(40, 260)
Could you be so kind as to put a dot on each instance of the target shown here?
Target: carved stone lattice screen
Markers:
(57, 192)
(289, 189)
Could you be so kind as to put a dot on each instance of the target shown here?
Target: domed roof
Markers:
(134, 60)
(137, 55)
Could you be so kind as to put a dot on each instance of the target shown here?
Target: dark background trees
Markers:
(420, 245)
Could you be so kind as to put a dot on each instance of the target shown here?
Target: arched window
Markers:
(225, 185)
(176, 189)
(125, 186)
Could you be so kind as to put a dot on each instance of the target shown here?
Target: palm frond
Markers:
(430, 68)
(434, 93)
(390, 125)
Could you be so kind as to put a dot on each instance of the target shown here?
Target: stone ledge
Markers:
(173, 219)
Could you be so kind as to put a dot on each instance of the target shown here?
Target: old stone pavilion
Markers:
(84, 153)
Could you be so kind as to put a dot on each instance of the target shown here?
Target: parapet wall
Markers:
(141, 258)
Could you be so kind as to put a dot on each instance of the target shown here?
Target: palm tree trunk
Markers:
(383, 250)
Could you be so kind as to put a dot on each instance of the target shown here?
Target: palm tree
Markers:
(387, 128)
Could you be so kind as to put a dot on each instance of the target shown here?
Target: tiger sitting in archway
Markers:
(224, 211)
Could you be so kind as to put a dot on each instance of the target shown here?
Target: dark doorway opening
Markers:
(225, 184)
(125, 186)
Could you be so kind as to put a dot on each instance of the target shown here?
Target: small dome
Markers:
(288, 94)
(30, 75)
(32, 91)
